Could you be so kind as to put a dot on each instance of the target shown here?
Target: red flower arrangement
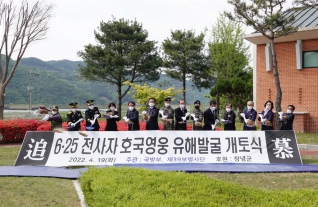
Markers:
(14, 130)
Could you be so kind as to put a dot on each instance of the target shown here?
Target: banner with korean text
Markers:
(158, 147)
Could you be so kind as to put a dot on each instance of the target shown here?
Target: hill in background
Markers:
(57, 83)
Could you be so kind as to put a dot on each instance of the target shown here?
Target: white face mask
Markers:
(74, 110)
(112, 108)
(54, 112)
(91, 107)
(289, 111)
(151, 104)
(167, 104)
(249, 107)
(268, 107)
(181, 106)
(212, 108)
(131, 108)
(228, 109)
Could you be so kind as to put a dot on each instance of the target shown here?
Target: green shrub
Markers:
(123, 186)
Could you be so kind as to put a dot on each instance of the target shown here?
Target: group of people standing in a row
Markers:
(173, 119)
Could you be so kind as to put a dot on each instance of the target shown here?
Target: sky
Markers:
(74, 21)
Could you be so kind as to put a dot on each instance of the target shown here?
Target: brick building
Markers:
(297, 61)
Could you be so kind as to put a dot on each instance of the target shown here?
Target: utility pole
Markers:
(31, 88)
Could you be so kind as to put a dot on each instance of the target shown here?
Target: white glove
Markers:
(183, 118)
(72, 125)
(164, 116)
(92, 121)
(126, 120)
(96, 115)
(222, 120)
(144, 112)
(195, 119)
(46, 117)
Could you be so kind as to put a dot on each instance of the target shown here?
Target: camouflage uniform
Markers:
(199, 115)
(56, 121)
(168, 111)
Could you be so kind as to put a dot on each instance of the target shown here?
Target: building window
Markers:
(310, 59)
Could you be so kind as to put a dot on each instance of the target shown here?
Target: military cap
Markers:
(73, 105)
(90, 102)
(212, 102)
(197, 102)
(43, 108)
(167, 99)
(55, 108)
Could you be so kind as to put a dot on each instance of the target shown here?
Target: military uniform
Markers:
(198, 115)
(168, 122)
(92, 114)
(55, 119)
(73, 117)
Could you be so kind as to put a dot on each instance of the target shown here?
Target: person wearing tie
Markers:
(229, 118)
(152, 113)
(133, 116)
(180, 113)
(210, 116)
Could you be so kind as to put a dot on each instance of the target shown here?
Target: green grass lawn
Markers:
(33, 191)
(39, 191)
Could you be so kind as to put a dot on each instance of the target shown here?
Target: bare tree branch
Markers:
(21, 25)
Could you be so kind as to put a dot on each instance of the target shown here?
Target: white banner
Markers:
(151, 147)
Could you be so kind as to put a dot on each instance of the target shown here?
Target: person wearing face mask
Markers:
(210, 115)
(152, 113)
(180, 113)
(229, 118)
(250, 115)
(91, 115)
(288, 118)
(111, 117)
(167, 115)
(197, 116)
(74, 118)
(268, 115)
(55, 119)
(133, 116)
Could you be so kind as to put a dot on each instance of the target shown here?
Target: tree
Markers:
(122, 54)
(20, 27)
(269, 18)
(236, 89)
(229, 59)
(184, 58)
(143, 93)
(306, 3)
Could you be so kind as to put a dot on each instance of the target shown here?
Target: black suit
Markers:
(178, 113)
(209, 118)
(134, 117)
(152, 123)
(111, 124)
(229, 118)
(288, 123)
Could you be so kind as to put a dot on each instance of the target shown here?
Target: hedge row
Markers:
(14, 130)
